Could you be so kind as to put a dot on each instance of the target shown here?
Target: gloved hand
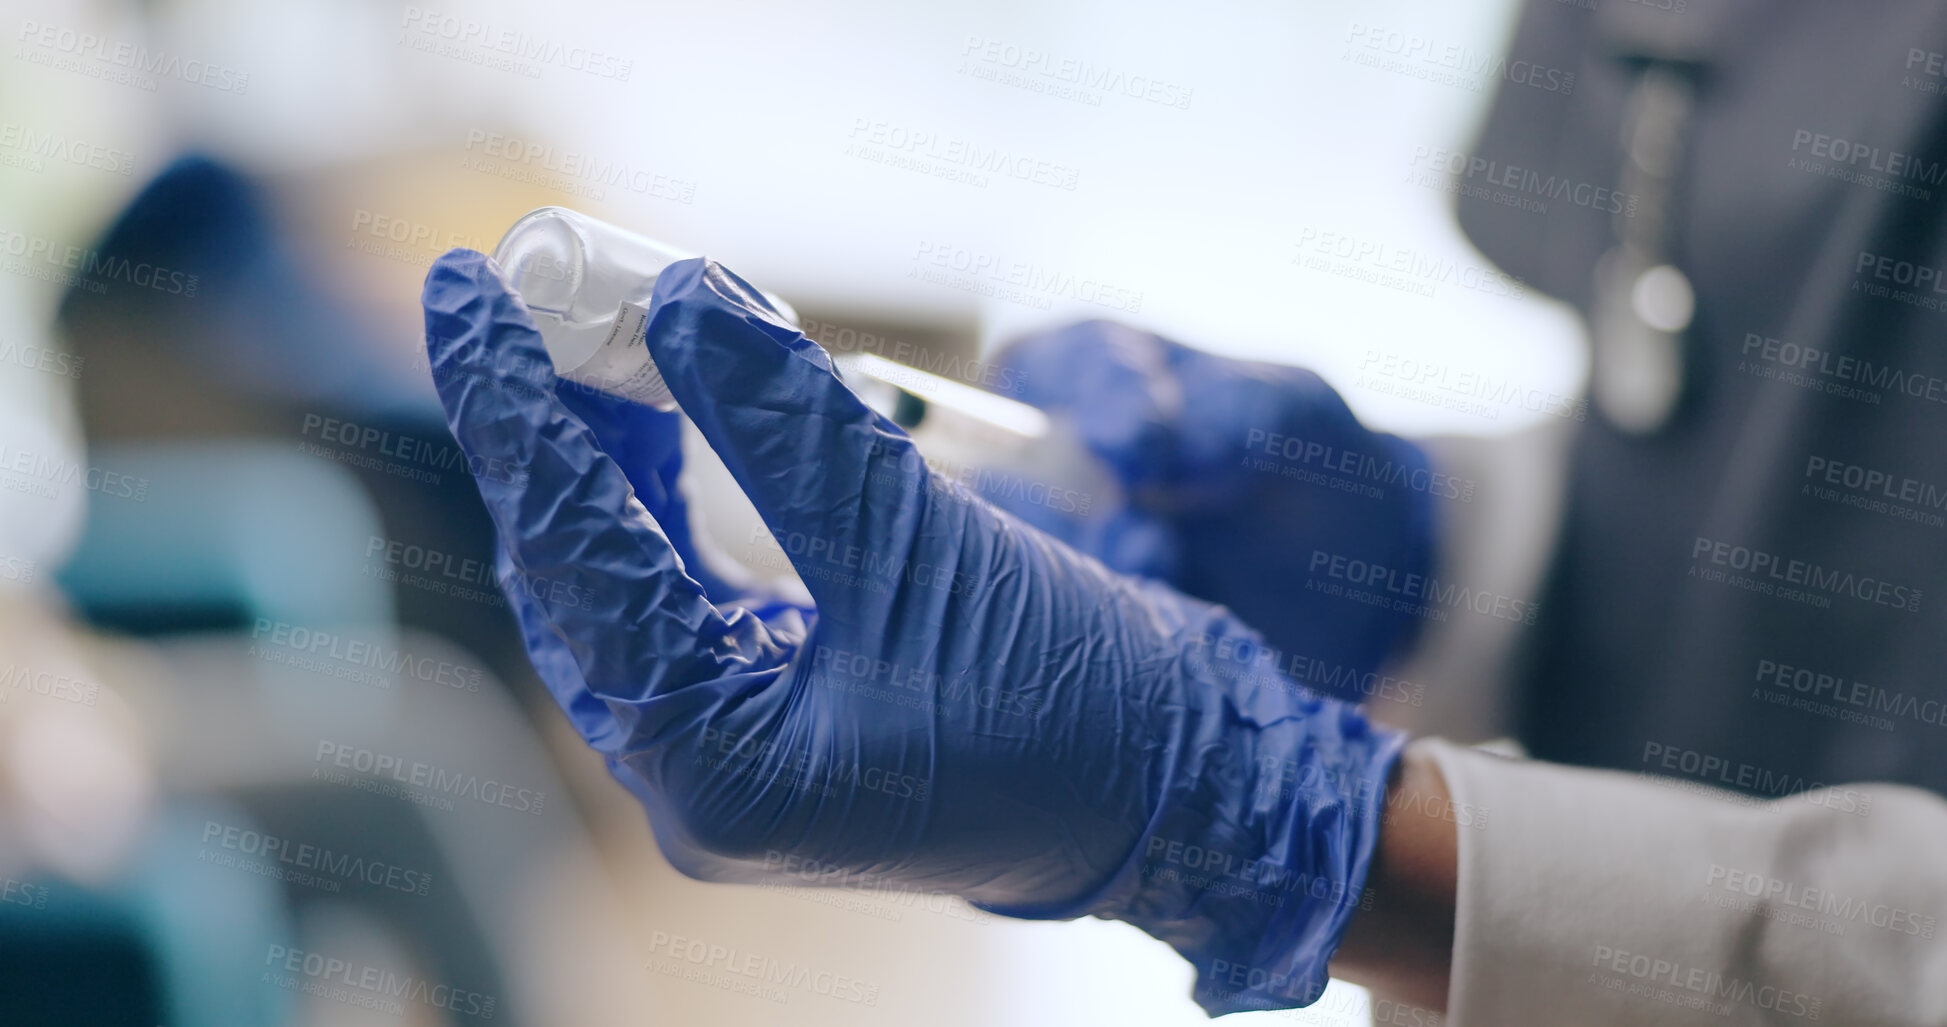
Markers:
(972, 707)
(1239, 475)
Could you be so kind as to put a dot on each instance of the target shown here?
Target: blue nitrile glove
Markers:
(1244, 481)
(647, 444)
(972, 708)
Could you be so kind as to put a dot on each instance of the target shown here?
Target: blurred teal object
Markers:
(71, 957)
(163, 944)
(218, 536)
(211, 930)
(225, 534)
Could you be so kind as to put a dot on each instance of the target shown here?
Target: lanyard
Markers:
(1644, 302)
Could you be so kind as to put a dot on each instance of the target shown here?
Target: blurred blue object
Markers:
(972, 707)
(1245, 480)
(227, 277)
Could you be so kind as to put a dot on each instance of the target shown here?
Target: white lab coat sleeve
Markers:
(1595, 897)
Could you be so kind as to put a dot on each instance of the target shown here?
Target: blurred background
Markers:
(270, 751)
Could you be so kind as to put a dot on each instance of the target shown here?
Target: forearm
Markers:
(1402, 947)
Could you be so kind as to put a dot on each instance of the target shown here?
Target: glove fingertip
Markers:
(752, 383)
(466, 300)
(692, 290)
(453, 300)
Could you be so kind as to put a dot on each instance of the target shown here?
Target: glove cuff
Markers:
(1257, 856)
(1263, 924)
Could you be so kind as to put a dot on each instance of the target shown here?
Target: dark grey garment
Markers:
(1808, 212)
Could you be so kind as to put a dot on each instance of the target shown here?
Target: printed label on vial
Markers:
(621, 365)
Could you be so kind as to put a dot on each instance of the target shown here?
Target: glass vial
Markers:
(588, 284)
